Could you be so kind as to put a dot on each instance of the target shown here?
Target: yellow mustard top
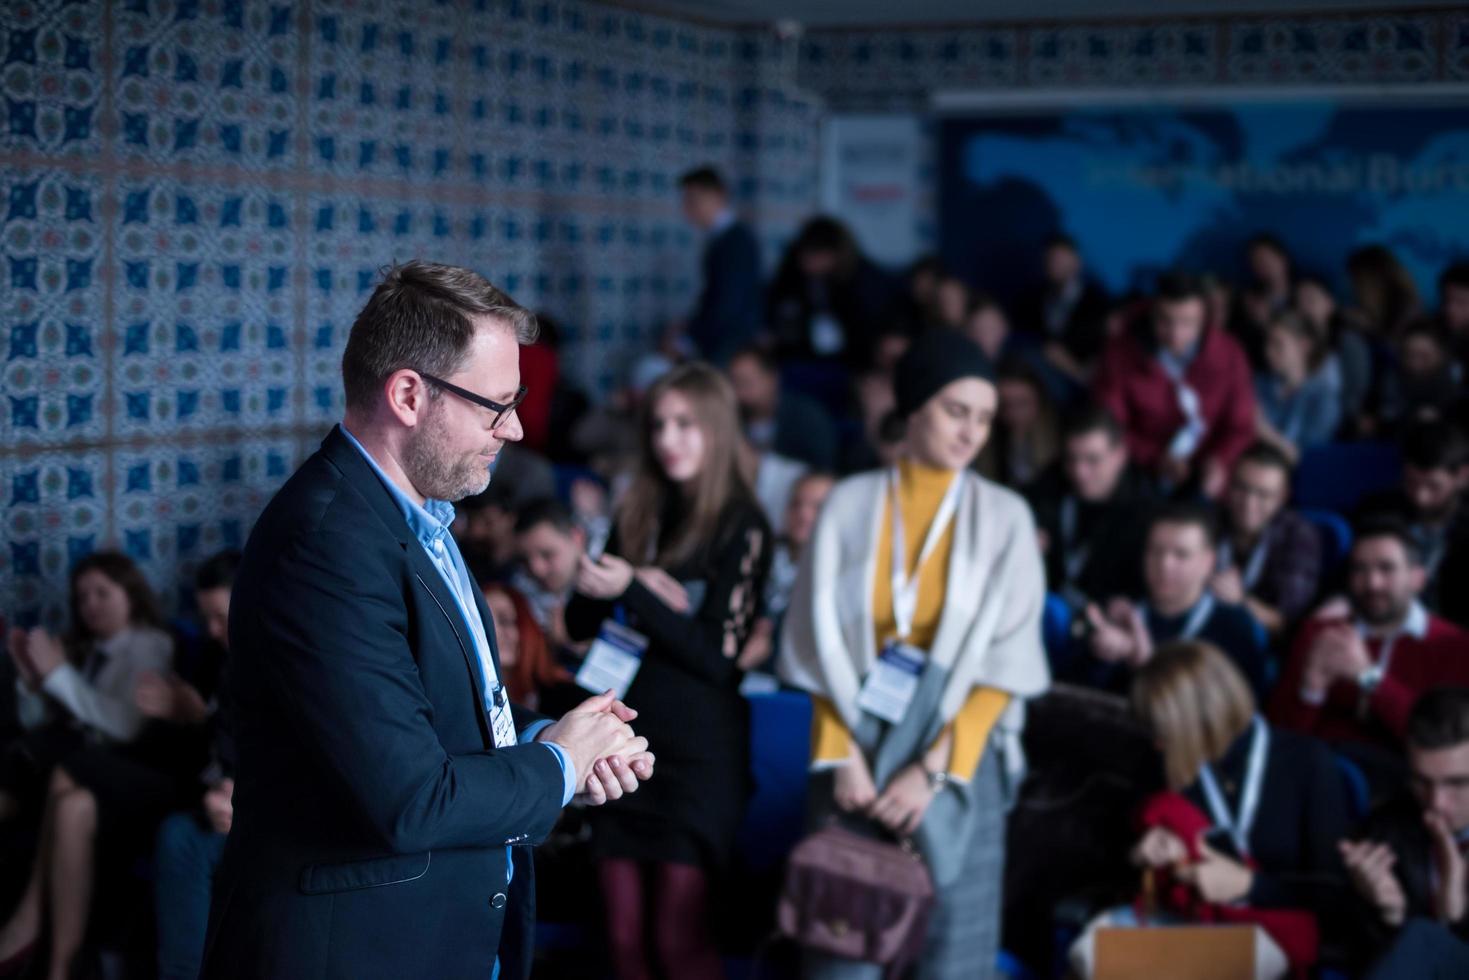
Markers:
(920, 491)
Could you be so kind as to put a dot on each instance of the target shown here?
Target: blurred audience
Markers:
(1407, 861)
(1384, 291)
(1178, 563)
(1182, 390)
(102, 788)
(532, 676)
(1067, 311)
(1269, 557)
(1246, 831)
(1266, 295)
(788, 423)
(550, 544)
(1341, 331)
(1092, 510)
(727, 315)
(1027, 433)
(190, 843)
(806, 498)
(1425, 385)
(1430, 499)
(827, 299)
(1360, 662)
(1299, 392)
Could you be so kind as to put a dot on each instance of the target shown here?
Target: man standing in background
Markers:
(729, 309)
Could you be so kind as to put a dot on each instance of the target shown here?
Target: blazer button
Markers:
(498, 902)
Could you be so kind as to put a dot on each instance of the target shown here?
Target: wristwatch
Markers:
(1368, 680)
(937, 780)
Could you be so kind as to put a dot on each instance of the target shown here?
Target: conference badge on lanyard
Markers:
(893, 681)
(502, 720)
(613, 660)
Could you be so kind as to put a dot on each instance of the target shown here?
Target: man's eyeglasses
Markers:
(501, 410)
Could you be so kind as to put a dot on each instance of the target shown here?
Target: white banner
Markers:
(870, 181)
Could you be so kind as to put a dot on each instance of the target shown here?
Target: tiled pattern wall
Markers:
(197, 195)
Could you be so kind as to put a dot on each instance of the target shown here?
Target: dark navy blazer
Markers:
(372, 810)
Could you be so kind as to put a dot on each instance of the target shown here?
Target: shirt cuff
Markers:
(1314, 698)
(568, 768)
(61, 680)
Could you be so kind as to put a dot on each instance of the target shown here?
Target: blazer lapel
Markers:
(433, 584)
(345, 457)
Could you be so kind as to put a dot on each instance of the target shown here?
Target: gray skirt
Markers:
(964, 933)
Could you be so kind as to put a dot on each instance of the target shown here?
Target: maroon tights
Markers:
(678, 909)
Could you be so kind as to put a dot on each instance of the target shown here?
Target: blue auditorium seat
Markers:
(780, 756)
(1336, 536)
(1358, 793)
(1056, 629)
(1338, 475)
(566, 474)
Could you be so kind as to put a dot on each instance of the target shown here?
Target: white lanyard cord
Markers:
(905, 588)
(1240, 824)
(1197, 618)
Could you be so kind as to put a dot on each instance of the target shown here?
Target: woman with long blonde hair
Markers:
(684, 568)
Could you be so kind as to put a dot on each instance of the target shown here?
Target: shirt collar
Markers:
(429, 522)
(722, 220)
(1415, 624)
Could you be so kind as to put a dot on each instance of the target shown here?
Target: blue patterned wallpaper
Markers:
(196, 195)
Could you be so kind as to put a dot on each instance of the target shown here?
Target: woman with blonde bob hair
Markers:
(684, 567)
(1248, 828)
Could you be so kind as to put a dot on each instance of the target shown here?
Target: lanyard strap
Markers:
(1250, 574)
(1073, 556)
(1197, 616)
(905, 587)
(1240, 823)
(1187, 439)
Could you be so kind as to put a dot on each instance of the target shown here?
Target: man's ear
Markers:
(407, 397)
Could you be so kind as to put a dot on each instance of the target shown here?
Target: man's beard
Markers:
(435, 469)
(1384, 613)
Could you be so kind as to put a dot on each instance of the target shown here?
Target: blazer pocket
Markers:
(319, 879)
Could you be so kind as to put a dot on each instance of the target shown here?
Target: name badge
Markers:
(890, 687)
(502, 720)
(613, 660)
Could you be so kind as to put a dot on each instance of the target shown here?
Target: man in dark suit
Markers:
(386, 791)
(1068, 311)
(788, 423)
(729, 310)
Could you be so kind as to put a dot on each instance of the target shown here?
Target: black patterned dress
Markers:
(688, 701)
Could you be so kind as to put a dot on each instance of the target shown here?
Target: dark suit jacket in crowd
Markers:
(372, 811)
(729, 310)
(804, 431)
(1084, 333)
(1398, 823)
(1115, 534)
(1291, 576)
